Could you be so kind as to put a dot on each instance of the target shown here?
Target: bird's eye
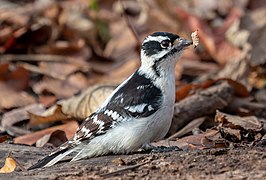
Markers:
(165, 44)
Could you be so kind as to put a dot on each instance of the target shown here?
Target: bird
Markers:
(138, 112)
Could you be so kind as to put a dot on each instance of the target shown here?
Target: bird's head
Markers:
(160, 51)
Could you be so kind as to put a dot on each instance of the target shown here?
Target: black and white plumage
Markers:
(139, 110)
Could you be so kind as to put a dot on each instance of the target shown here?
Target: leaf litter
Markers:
(60, 60)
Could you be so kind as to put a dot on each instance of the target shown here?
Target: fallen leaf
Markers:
(249, 123)
(17, 79)
(79, 106)
(47, 100)
(9, 166)
(13, 98)
(58, 68)
(188, 128)
(118, 47)
(20, 114)
(209, 139)
(69, 128)
(236, 128)
(57, 115)
(4, 138)
(73, 84)
(190, 89)
(55, 139)
(214, 43)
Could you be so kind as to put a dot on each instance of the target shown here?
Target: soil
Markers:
(232, 163)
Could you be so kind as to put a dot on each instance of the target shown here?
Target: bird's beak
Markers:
(186, 42)
(183, 42)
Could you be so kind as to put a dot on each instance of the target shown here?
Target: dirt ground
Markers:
(234, 163)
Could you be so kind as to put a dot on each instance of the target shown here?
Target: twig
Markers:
(34, 57)
(188, 128)
(132, 29)
(17, 163)
(36, 69)
(124, 169)
(44, 58)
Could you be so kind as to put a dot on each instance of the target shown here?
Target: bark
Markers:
(201, 104)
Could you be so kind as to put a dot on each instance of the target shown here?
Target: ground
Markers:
(233, 163)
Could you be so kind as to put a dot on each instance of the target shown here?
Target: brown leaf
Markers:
(18, 79)
(4, 138)
(56, 115)
(215, 44)
(13, 98)
(239, 89)
(118, 47)
(236, 128)
(9, 166)
(57, 138)
(57, 68)
(87, 102)
(199, 141)
(189, 89)
(69, 128)
(62, 89)
(122, 72)
(20, 114)
(80, 106)
(47, 101)
(249, 123)
(188, 128)
(3, 71)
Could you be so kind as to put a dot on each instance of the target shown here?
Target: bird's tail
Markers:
(53, 158)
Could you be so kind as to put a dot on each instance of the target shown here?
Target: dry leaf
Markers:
(13, 98)
(118, 47)
(208, 139)
(47, 100)
(56, 115)
(58, 68)
(80, 106)
(236, 128)
(10, 165)
(20, 114)
(69, 128)
(57, 138)
(86, 103)
(195, 38)
(62, 89)
(188, 128)
(4, 138)
(249, 123)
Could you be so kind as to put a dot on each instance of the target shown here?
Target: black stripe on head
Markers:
(151, 47)
(157, 62)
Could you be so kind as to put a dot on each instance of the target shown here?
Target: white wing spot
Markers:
(110, 113)
(88, 135)
(138, 108)
(85, 130)
(150, 108)
(114, 115)
(140, 87)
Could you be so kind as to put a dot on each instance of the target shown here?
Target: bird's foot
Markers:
(158, 149)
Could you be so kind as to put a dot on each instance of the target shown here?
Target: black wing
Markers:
(137, 98)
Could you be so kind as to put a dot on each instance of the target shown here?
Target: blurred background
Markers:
(60, 59)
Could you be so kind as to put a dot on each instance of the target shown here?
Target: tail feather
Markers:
(51, 159)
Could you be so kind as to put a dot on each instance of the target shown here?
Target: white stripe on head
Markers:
(155, 38)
